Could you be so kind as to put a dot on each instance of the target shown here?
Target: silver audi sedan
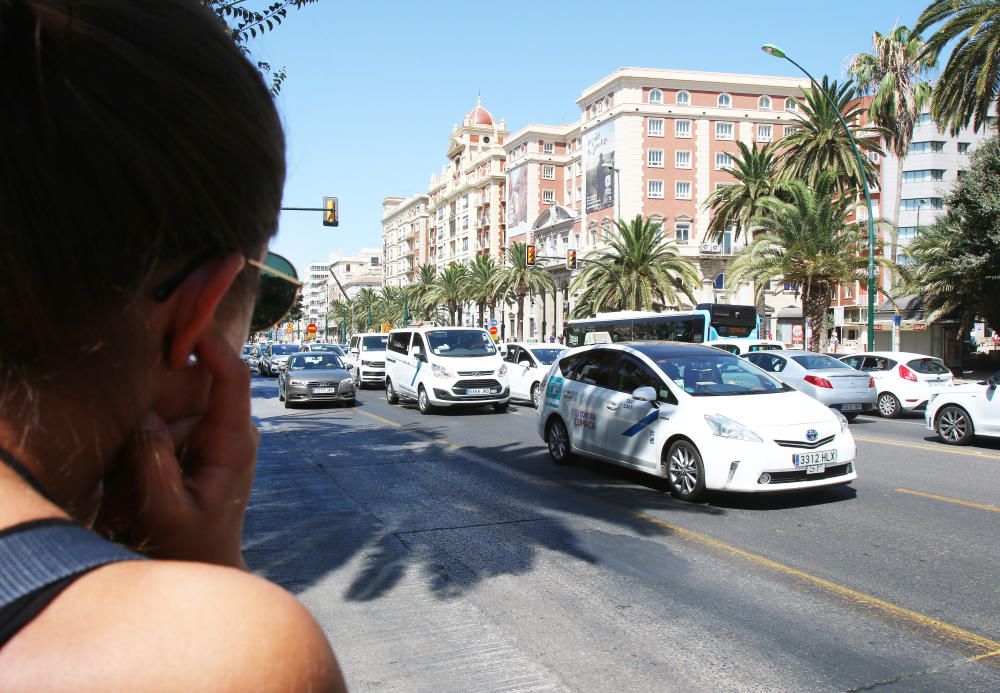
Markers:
(315, 376)
(820, 376)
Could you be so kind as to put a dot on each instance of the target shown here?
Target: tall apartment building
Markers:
(354, 272)
(405, 243)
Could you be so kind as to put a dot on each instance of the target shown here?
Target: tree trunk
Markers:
(894, 234)
(520, 315)
(814, 306)
(482, 313)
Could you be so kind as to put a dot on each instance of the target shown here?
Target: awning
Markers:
(790, 313)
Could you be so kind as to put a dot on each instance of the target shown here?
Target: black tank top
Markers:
(41, 558)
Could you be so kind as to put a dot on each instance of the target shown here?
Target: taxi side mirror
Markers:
(417, 353)
(644, 394)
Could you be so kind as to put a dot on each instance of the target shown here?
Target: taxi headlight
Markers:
(441, 371)
(724, 427)
(841, 418)
(503, 371)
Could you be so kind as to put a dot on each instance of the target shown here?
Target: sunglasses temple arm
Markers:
(273, 272)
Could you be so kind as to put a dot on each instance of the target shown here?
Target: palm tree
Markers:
(892, 73)
(809, 243)
(481, 284)
(449, 291)
(821, 144)
(638, 270)
(967, 87)
(392, 304)
(517, 279)
(339, 313)
(736, 206)
(421, 290)
(366, 305)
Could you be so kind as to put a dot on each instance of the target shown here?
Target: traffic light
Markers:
(330, 217)
(529, 255)
(570, 259)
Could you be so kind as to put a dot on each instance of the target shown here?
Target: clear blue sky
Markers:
(374, 87)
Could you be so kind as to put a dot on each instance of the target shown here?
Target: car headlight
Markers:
(347, 380)
(299, 383)
(503, 371)
(724, 427)
(841, 418)
(441, 371)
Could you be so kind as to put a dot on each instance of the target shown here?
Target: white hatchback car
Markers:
(527, 364)
(963, 411)
(903, 381)
(700, 417)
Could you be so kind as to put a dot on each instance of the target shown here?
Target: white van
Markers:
(367, 352)
(739, 347)
(444, 367)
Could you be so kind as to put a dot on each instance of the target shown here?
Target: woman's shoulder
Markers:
(170, 625)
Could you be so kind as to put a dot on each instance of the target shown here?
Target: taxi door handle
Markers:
(612, 406)
(567, 395)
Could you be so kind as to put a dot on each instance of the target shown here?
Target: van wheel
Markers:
(536, 396)
(390, 393)
(685, 471)
(557, 438)
(501, 406)
(888, 405)
(424, 402)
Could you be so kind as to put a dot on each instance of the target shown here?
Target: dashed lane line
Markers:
(946, 499)
(942, 448)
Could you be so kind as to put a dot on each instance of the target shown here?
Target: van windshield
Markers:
(462, 343)
(374, 343)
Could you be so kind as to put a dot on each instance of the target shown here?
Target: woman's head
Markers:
(135, 138)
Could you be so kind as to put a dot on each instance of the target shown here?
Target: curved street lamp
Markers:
(776, 52)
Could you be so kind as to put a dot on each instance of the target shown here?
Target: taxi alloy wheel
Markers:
(954, 425)
(390, 393)
(536, 395)
(685, 471)
(557, 438)
(424, 402)
(888, 405)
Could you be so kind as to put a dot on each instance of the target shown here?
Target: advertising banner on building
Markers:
(517, 198)
(599, 147)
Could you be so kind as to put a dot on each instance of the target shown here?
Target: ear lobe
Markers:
(195, 301)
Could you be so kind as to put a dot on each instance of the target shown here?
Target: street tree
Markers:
(366, 307)
(481, 285)
(393, 304)
(956, 261)
(966, 89)
(450, 291)
(339, 314)
(821, 144)
(894, 75)
(639, 270)
(517, 280)
(421, 291)
(809, 243)
(737, 205)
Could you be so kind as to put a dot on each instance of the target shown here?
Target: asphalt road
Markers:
(446, 552)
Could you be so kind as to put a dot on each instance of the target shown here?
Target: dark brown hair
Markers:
(134, 136)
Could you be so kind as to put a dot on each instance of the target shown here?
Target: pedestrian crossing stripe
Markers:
(639, 425)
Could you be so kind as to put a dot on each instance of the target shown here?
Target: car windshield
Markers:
(547, 356)
(715, 374)
(330, 348)
(463, 343)
(284, 349)
(929, 366)
(812, 362)
(315, 361)
(374, 343)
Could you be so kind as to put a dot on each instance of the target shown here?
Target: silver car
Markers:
(822, 377)
(315, 377)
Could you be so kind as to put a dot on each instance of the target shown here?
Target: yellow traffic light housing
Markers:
(330, 217)
(529, 255)
(570, 259)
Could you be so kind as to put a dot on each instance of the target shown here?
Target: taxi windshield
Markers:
(713, 375)
(315, 361)
(461, 343)
(547, 356)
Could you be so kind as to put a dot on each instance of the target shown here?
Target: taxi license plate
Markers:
(478, 391)
(324, 390)
(815, 462)
(850, 407)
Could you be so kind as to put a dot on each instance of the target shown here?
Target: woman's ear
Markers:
(194, 305)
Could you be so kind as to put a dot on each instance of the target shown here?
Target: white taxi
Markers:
(701, 418)
(527, 364)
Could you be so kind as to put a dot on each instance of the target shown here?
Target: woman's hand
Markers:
(183, 487)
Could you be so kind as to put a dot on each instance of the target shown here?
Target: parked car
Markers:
(368, 353)
(697, 416)
(445, 367)
(315, 377)
(527, 364)
(820, 376)
(273, 356)
(964, 411)
(252, 357)
(746, 346)
(903, 381)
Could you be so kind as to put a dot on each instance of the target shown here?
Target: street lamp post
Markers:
(776, 52)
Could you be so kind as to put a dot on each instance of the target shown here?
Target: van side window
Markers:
(399, 342)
